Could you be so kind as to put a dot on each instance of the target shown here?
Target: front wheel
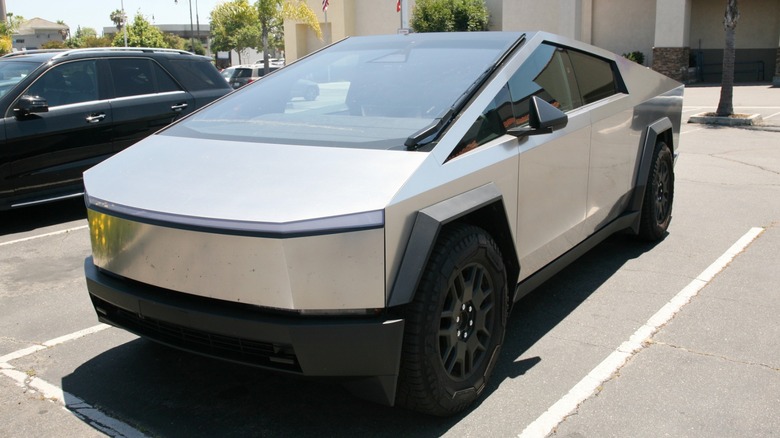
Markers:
(455, 326)
(659, 195)
(311, 94)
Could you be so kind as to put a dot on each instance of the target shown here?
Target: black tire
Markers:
(659, 196)
(311, 94)
(455, 326)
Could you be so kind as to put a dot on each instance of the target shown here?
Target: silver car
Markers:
(381, 233)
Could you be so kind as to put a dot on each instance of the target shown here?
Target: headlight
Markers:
(326, 225)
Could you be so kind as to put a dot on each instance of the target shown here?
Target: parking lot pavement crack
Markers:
(581, 342)
(716, 356)
(726, 184)
(722, 157)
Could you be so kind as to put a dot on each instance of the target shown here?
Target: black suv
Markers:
(64, 111)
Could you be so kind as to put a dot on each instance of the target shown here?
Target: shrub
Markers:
(635, 56)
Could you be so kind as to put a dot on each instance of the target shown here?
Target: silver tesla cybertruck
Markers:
(381, 233)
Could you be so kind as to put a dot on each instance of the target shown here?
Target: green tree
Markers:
(234, 25)
(449, 16)
(96, 41)
(6, 46)
(7, 29)
(174, 41)
(726, 103)
(78, 39)
(272, 12)
(198, 49)
(11, 24)
(54, 44)
(141, 34)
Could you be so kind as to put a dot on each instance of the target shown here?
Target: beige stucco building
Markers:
(32, 34)
(681, 38)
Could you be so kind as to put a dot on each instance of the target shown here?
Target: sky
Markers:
(95, 13)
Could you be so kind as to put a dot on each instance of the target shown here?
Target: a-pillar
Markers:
(671, 49)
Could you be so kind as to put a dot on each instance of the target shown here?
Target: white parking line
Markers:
(38, 236)
(607, 368)
(78, 407)
(773, 115)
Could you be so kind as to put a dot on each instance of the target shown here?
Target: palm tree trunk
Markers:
(726, 104)
(266, 67)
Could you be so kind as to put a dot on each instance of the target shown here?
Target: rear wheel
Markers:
(455, 325)
(659, 195)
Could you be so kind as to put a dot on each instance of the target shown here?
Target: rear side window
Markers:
(243, 73)
(164, 81)
(137, 76)
(595, 77)
(197, 75)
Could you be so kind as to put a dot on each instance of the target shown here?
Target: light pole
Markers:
(124, 21)
(192, 29)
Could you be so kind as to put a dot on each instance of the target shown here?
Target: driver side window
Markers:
(66, 84)
(548, 74)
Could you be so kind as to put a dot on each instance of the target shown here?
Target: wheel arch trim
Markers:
(428, 224)
(653, 132)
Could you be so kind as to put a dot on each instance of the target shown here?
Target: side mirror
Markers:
(543, 118)
(30, 105)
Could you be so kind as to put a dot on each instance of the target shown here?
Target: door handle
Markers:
(94, 118)
(179, 107)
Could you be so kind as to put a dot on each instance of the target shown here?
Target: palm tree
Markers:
(726, 104)
(118, 17)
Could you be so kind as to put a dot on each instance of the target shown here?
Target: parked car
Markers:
(306, 89)
(64, 111)
(382, 235)
(240, 75)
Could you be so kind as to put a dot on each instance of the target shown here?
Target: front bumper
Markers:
(364, 351)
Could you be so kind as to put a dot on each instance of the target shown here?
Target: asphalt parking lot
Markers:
(675, 339)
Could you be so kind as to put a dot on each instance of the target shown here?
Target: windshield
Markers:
(367, 92)
(11, 72)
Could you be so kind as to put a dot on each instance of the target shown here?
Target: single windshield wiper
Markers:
(432, 131)
(414, 140)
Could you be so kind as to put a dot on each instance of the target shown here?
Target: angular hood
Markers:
(265, 187)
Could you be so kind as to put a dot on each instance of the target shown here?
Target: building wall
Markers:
(756, 39)
(758, 25)
(522, 15)
(34, 41)
(620, 26)
(618, 31)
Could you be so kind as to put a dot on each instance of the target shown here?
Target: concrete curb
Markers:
(707, 118)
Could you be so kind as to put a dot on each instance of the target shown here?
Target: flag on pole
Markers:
(325, 4)
(398, 6)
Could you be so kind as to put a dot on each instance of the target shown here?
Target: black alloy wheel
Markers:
(455, 326)
(659, 195)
